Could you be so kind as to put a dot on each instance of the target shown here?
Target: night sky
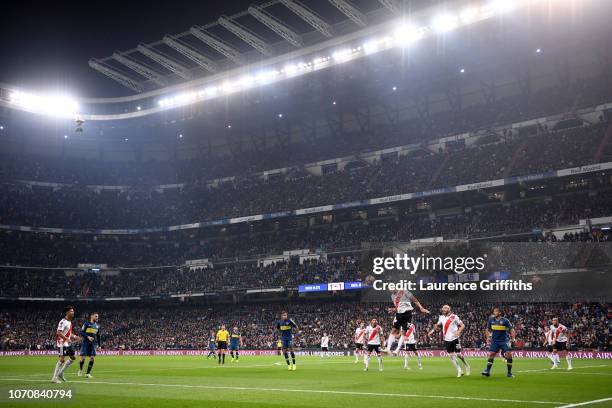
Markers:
(46, 44)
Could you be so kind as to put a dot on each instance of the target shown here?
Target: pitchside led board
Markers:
(330, 287)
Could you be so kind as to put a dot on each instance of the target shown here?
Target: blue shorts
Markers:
(234, 346)
(287, 342)
(88, 349)
(499, 346)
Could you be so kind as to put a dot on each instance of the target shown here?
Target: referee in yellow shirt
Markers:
(222, 338)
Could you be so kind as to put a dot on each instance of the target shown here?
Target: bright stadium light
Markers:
(210, 91)
(56, 105)
(502, 6)
(445, 22)
(138, 108)
(469, 15)
(246, 81)
(342, 55)
(227, 87)
(370, 47)
(290, 69)
(406, 34)
(264, 76)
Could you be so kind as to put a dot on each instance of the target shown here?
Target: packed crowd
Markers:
(503, 260)
(76, 207)
(56, 283)
(66, 250)
(157, 328)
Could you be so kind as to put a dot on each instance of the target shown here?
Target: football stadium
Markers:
(306, 203)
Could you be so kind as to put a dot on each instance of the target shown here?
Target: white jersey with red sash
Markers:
(360, 335)
(549, 338)
(410, 338)
(401, 301)
(65, 327)
(559, 333)
(373, 335)
(450, 326)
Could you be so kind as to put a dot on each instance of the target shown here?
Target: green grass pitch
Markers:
(193, 381)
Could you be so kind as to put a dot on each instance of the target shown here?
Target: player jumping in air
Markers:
(559, 336)
(286, 326)
(498, 328)
(211, 345)
(359, 340)
(402, 306)
(452, 327)
(235, 344)
(409, 342)
(222, 337)
(90, 333)
(64, 338)
(373, 335)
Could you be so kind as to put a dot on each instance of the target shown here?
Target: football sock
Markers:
(400, 343)
(293, 357)
(90, 366)
(81, 364)
(58, 367)
(406, 361)
(418, 358)
(380, 362)
(489, 364)
(366, 360)
(64, 367)
(236, 355)
(454, 360)
(569, 361)
(460, 357)
(223, 359)
(509, 364)
(287, 358)
(390, 341)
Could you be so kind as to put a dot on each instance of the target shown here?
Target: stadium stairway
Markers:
(605, 147)
(519, 150)
(438, 171)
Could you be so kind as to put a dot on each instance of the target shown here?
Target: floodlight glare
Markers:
(53, 105)
(290, 69)
(406, 34)
(445, 22)
(246, 81)
(265, 76)
(342, 55)
(210, 91)
(502, 6)
(469, 15)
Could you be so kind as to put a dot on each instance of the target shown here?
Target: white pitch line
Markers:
(579, 404)
(356, 393)
(552, 371)
(214, 367)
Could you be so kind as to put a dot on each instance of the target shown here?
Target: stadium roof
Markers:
(180, 82)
